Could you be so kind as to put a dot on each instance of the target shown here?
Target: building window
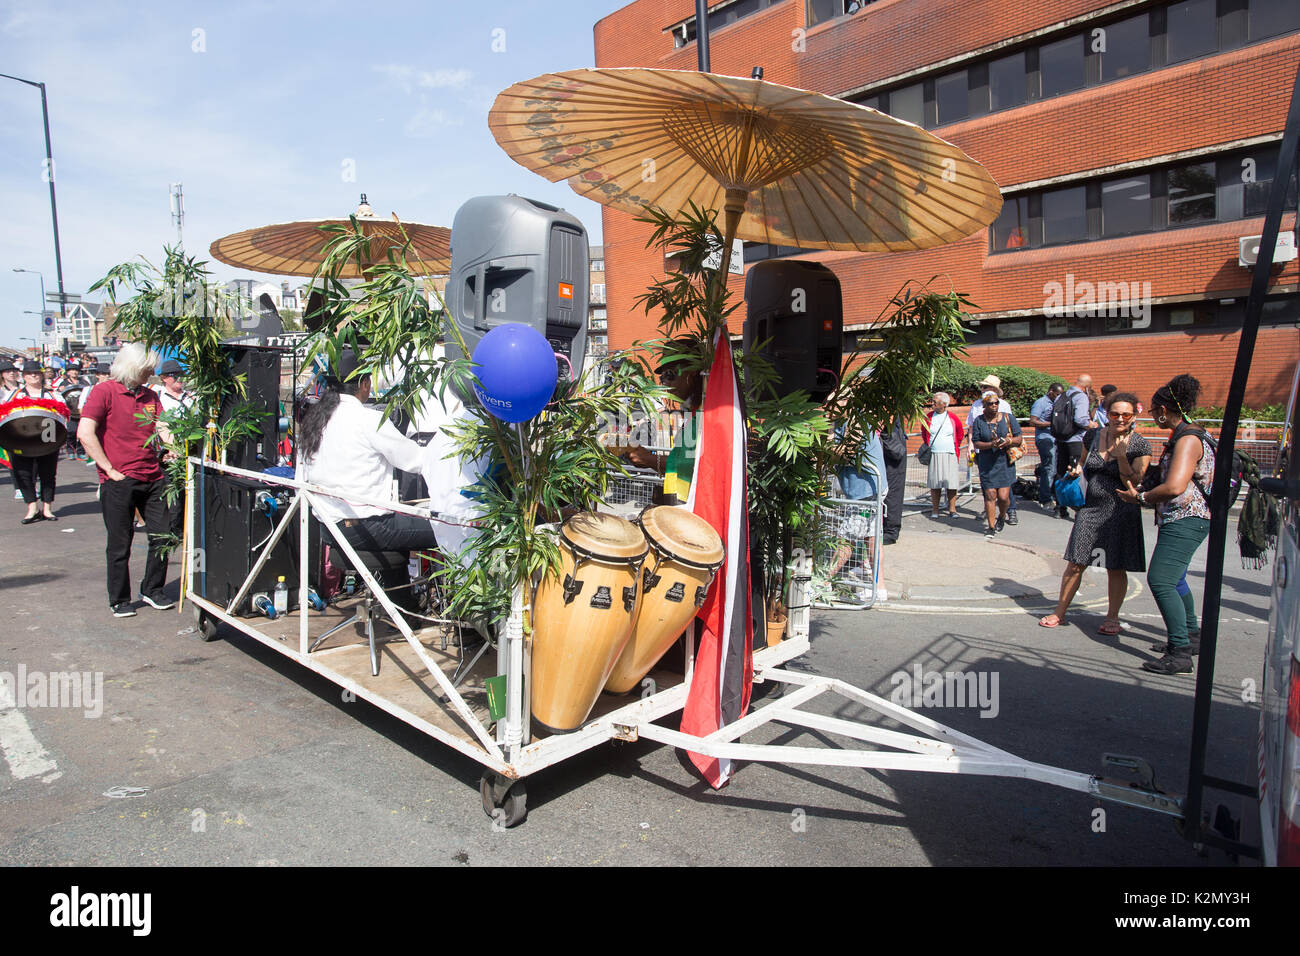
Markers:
(908, 104)
(952, 97)
(1065, 215)
(1124, 47)
(1126, 206)
(1007, 82)
(1012, 330)
(721, 15)
(1180, 318)
(597, 292)
(1190, 30)
(1221, 189)
(1011, 230)
(1061, 66)
(1270, 18)
(1244, 183)
(1191, 194)
(1066, 325)
(597, 265)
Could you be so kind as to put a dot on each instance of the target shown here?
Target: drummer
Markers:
(27, 468)
(687, 387)
(343, 446)
(9, 376)
(71, 388)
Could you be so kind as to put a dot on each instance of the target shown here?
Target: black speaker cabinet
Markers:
(519, 260)
(230, 528)
(261, 370)
(795, 318)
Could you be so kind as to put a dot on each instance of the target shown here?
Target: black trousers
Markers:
(176, 515)
(28, 469)
(118, 501)
(391, 532)
(896, 476)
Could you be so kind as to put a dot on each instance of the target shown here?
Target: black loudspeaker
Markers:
(261, 370)
(795, 319)
(519, 260)
(232, 522)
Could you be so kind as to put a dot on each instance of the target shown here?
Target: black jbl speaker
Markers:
(261, 370)
(795, 319)
(519, 260)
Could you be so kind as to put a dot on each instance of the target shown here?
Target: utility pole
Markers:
(178, 212)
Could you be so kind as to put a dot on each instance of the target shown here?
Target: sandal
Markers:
(1056, 620)
(1110, 628)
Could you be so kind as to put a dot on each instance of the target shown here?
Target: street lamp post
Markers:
(41, 275)
(54, 208)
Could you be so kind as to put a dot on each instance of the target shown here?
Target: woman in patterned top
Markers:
(1107, 531)
(1181, 500)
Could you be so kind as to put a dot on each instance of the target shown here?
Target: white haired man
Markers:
(117, 438)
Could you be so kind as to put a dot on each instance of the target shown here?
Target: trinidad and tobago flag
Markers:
(724, 663)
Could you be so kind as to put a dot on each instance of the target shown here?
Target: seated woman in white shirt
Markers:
(352, 450)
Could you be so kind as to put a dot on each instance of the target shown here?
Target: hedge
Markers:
(1020, 386)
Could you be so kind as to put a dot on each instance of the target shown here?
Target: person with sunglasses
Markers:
(1182, 503)
(1107, 530)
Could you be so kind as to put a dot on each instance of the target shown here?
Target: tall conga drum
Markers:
(583, 617)
(687, 553)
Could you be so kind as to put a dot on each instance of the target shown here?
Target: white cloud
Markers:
(408, 78)
(429, 123)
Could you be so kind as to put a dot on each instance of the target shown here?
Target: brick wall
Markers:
(1230, 96)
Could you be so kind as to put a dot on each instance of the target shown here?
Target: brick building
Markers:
(1134, 142)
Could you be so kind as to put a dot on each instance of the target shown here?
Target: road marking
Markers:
(23, 752)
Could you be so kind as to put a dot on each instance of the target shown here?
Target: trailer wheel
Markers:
(207, 626)
(504, 800)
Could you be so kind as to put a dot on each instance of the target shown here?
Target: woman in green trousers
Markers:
(1182, 504)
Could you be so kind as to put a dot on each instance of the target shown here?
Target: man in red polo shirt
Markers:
(130, 474)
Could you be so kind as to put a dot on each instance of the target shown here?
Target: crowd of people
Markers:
(1089, 439)
(112, 417)
(1083, 437)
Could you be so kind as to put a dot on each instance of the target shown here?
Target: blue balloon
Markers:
(516, 371)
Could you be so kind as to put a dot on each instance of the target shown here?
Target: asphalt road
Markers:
(237, 756)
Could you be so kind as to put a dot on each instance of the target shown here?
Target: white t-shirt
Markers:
(942, 436)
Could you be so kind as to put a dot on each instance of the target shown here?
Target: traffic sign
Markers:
(67, 297)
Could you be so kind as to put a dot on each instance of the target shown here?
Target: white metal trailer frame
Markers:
(507, 751)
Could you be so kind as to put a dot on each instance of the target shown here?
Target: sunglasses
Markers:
(1124, 415)
(667, 375)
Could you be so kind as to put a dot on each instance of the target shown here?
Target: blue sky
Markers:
(257, 115)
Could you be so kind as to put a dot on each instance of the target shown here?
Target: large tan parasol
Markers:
(805, 169)
(298, 248)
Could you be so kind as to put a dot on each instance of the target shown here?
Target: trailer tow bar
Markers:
(1138, 789)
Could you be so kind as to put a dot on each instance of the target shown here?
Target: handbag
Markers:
(923, 454)
(1014, 453)
(1069, 492)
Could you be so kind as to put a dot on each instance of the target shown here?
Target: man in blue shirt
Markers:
(1070, 450)
(1040, 416)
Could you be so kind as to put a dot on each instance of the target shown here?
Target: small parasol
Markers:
(298, 248)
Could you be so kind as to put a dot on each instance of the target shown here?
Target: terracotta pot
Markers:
(776, 631)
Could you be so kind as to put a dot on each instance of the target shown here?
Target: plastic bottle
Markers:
(281, 597)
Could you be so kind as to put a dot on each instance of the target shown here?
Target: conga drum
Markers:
(33, 427)
(674, 584)
(583, 617)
